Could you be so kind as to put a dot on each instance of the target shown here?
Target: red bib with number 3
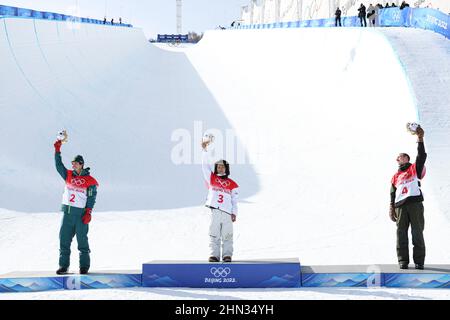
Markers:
(220, 191)
(75, 192)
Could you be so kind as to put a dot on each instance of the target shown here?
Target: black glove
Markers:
(392, 213)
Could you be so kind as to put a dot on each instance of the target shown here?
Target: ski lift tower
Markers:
(179, 17)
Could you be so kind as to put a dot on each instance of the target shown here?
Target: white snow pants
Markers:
(220, 230)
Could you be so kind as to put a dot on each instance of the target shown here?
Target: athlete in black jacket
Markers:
(406, 206)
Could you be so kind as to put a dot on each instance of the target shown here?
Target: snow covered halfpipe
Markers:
(311, 120)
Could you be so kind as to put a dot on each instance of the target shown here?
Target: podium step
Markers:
(271, 273)
(391, 276)
(46, 281)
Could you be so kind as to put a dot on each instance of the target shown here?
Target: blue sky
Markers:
(154, 16)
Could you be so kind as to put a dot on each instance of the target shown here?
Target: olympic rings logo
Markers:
(223, 183)
(220, 272)
(77, 182)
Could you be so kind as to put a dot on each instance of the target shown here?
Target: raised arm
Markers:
(421, 154)
(62, 170)
(206, 166)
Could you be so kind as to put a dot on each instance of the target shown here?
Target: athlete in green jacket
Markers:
(78, 201)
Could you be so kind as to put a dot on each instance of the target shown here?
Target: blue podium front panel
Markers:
(31, 284)
(342, 276)
(45, 281)
(340, 280)
(434, 276)
(102, 281)
(436, 281)
(240, 274)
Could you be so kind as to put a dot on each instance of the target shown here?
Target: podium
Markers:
(366, 276)
(49, 281)
(276, 273)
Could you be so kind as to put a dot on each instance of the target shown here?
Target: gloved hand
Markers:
(205, 144)
(87, 216)
(233, 217)
(57, 146)
(420, 133)
(392, 213)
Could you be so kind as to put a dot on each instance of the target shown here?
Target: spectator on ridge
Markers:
(362, 15)
(338, 17)
(371, 15)
(404, 5)
(377, 12)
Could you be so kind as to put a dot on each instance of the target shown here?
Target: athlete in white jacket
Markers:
(222, 200)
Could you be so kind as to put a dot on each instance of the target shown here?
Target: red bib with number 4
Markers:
(75, 192)
(407, 183)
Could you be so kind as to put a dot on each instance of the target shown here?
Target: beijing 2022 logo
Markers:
(220, 275)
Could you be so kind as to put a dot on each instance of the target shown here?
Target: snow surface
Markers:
(238, 294)
(320, 116)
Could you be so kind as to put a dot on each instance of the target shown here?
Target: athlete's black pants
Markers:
(410, 214)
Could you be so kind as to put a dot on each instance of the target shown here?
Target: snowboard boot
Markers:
(213, 259)
(420, 266)
(404, 266)
(226, 259)
(84, 270)
(61, 271)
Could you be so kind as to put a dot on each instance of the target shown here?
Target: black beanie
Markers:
(78, 159)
